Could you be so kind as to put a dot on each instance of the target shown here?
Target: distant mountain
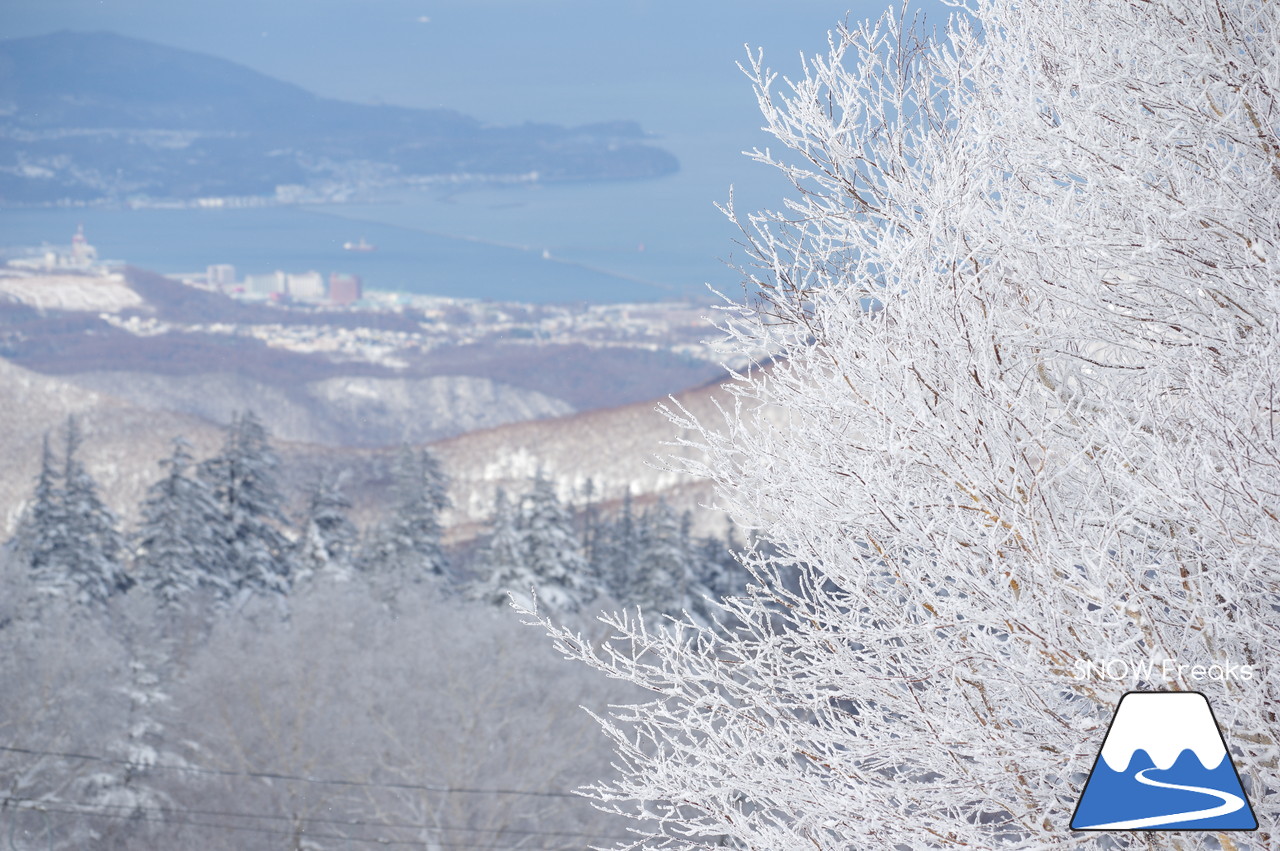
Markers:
(87, 116)
(124, 442)
(309, 396)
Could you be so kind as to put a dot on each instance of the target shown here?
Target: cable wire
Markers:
(314, 819)
(274, 775)
(95, 811)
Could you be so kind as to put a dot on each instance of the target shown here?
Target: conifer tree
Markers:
(327, 540)
(39, 540)
(408, 547)
(617, 550)
(243, 478)
(500, 562)
(718, 568)
(662, 581)
(552, 552)
(589, 517)
(91, 547)
(177, 547)
(130, 787)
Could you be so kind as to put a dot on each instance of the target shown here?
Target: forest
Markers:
(246, 668)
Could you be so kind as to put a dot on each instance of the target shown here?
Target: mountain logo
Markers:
(1163, 766)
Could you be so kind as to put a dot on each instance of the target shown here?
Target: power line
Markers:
(273, 775)
(95, 810)
(314, 819)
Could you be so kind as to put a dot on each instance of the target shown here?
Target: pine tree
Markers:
(131, 788)
(40, 540)
(663, 578)
(718, 569)
(408, 547)
(501, 562)
(91, 552)
(552, 552)
(326, 544)
(243, 479)
(617, 551)
(178, 548)
(589, 521)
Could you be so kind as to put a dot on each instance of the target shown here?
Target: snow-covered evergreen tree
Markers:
(90, 554)
(552, 551)
(1024, 312)
(177, 547)
(325, 546)
(663, 574)
(40, 537)
(500, 563)
(590, 525)
(407, 548)
(617, 549)
(718, 569)
(243, 478)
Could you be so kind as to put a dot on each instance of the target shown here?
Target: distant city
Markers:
(73, 277)
(310, 287)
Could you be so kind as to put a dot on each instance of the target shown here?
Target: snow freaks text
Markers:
(1122, 670)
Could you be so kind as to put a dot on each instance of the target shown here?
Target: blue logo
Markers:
(1163, 766)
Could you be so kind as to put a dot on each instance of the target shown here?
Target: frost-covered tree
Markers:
(326, 543)
(127, 787)
(177, 547)
(717, 565)
(502, 574)
(616, 550)
(663, 578)
(552, 551)
(1020, 412)
(85, 550)
(244, 481)
(407, 548)
(39, 538)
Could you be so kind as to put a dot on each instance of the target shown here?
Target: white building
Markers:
(265, 285)
(307, 285)
(221, 276)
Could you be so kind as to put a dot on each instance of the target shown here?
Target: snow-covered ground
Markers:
(100, 293)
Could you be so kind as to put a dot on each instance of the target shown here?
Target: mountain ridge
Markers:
(124, 442)
(101, 116)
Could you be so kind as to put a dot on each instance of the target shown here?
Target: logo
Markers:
(1119, 670)
(1163, 765)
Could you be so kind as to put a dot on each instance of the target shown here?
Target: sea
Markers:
(669, 65)
(596, 242)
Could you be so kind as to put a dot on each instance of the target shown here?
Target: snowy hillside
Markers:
(124, 441)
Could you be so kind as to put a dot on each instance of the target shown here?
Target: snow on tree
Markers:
(616, 550)
(177, 547)
(128, 787)
(326, 544)
(552, 551)
(85, 550)
(407, 548)
(1020, 415)
(662, 580)
(505, 575)
(717, 566)
(243, 478)
(39, 538)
